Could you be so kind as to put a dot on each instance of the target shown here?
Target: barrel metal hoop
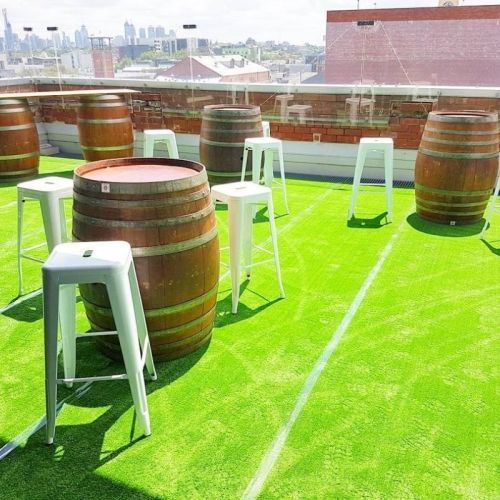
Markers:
(165, 202)
(105, 121)
(471, 204)
(460, 132)
(227, 174)
(171, 248)
(465, 118)
(211, 118)
(447, 212)
(458, 156)
(17, 127)
(247, 132)
(446, 192)
(188, 340)
(460, 143)
(12, 173)
(106, 148)
(185, 326)
(163, 311)
(19, 156)
(222, 144)
(143, 224)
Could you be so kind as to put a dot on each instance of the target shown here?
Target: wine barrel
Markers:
(19, 146)
(456, 167)
(163, 208)
(105, 127)
(224, 129)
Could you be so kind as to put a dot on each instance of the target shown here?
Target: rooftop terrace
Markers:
(375, 377)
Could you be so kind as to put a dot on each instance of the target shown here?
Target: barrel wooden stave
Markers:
(456, 166)
(105, 127)
(224, 129)
(178, 289)
(19, 144)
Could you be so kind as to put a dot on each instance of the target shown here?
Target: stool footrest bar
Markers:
(121, 376)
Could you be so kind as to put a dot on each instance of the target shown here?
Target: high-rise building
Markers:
(85, 37)
(129, 31)
(78, 40)
(151, 32)
(9, 36)
(160, 32)
(142, 33)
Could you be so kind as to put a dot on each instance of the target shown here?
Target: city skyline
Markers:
(219, 20)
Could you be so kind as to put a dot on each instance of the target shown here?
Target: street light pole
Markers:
(190, 27)
(53, 29)
(28, 30)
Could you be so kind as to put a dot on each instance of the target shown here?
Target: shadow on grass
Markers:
(27, 311)
(491, 248)
(435, 229)
(67, 468)
(365, 223)
(226, 317)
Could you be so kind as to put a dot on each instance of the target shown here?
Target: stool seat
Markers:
(384, 145)
(50, 192)
(152, 136)
(264, 146)
(299, 109)
(110, 263)
(241, 198)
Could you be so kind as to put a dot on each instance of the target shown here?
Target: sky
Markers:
(295, 21)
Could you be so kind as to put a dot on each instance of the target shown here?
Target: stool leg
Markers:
(268, 167)
(51, 221)
(50, 326)
(247, 236)
(62, 221)
(172, 148)
(67, 318)
(244, 163)
(142, 328)
(20, 212)
(120, 297)
(282, 173)
(236, 221)
(360, 161)
(256, 162)
(148, 147)
(491, 208)
(274, 237)
(388, 160)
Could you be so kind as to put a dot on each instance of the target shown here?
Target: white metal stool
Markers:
(50, 192)
(160, 135)
(108, 262)
(493, 207)
(264, 146)
(241, 198)
(366, 144)
(266, 129)
(301, 110)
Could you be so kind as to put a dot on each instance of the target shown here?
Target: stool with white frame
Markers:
(492, 209)
(153, 136)
(110, 263)
(51, 193)
(378, 144)
(266, 146)
(241, 198)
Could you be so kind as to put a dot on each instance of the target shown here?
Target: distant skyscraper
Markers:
(142, 33)
(9, 37)
(151, 32)
(129, 31)
(85, 37)
(160, 32)
(78, 40)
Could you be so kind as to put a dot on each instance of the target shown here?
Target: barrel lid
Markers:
(105, 97)
(120, 175)
(464, 116)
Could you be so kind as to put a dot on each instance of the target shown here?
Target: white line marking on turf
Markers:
(256, 484)
(36, 426)
(20, 300)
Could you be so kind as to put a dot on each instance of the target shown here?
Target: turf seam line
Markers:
(256, 484)
(20, 300)
(37, 425)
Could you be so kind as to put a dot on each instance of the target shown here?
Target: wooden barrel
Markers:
(456, 167)
(19, 146)
(105, 127)
(224, 129)
(162, 207)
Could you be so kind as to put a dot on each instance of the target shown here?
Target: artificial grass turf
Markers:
(372, 423)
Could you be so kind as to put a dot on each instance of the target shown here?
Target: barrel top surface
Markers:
(463, 116)
(145, 172)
